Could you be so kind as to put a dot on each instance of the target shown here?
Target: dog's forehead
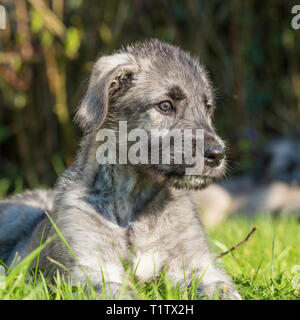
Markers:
(175, 74)
(175, 79)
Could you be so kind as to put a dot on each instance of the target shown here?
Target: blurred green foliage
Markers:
(49, 46)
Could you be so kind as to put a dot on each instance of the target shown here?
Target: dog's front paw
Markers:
(219, 290)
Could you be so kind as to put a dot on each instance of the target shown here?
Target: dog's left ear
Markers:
(111, 76)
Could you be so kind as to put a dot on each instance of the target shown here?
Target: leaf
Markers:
(72, 42)
(36, 22)
(220, 245)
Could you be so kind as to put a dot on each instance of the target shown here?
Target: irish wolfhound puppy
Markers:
(138, 213)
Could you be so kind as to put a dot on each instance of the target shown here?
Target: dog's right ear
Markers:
(107, 79)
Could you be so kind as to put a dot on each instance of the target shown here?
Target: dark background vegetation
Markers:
(48, 49)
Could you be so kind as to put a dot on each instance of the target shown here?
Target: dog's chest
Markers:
(155, 243)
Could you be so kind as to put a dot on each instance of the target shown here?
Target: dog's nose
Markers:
(213, 155)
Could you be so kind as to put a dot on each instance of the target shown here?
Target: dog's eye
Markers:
(165, 106)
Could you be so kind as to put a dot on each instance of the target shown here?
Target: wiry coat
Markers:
(140, 214)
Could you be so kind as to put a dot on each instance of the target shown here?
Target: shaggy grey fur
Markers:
(140, 214)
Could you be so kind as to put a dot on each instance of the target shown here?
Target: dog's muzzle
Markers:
(213, 155)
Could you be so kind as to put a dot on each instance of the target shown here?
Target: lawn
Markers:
(266, 267)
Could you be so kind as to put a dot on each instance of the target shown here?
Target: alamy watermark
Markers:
(139, 146)
(2, 17)
(296, 19)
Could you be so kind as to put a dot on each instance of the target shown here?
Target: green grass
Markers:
(264, 267)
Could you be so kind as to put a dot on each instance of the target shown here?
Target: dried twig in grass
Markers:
(239, 244)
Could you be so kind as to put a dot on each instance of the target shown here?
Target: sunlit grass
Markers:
(262, 268)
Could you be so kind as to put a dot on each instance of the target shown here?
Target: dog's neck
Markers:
(121, 192)
(118, 192)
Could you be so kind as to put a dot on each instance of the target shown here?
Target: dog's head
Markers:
(154, 85)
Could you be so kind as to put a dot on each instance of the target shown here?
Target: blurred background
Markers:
(249, 47)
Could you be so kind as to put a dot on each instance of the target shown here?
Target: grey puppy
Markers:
(141, 214)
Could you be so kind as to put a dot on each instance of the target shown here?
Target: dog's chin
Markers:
(195, 182)
(189, 182)
(176, 177)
